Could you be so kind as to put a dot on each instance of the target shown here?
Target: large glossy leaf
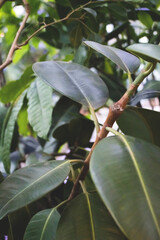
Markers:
(8, 130)
(30, 183)
(74, 81)
(141, 123)
(147, 51)
(43, 225)
(87, 218)
(125, 60)
(40, 107)
(126, 173)
(150, 90)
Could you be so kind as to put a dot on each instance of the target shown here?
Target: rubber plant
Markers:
(113, 193)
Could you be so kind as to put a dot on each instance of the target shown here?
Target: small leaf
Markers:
(125, 60)
(141, 123)
(74, 81)
(22, 120)
(19, 54)
(76, 36)
(40, 107)
(126, 173)
(13, 89)
(91, 11)
(8, 130)
(146, 19)
(86, 217)
(30, 183)
(43, 225)
(147, 51)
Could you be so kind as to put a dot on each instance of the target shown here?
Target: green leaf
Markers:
(77, 132)
(18, 221)
(118, 11)
(43, 225)
(91, 11)
(116, 89)
(125, 60)
(64, 111)
(146, 19)
(141, 123)
(3, 111)
(149, 52)
(86, 217)
(150, 90)
(13, 89)
(34, 6)
(40, 107)
(74, 81)
(8, 131)
(30, 183)
(19, 54)
(76, 36)
(126, 173)
(22, 120)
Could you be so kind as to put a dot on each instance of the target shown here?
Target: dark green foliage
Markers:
(87, 55)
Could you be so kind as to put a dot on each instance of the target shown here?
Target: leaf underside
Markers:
(74, 81)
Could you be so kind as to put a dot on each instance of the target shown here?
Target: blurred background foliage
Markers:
(24, 139)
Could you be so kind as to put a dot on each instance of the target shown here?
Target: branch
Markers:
(2, 78)
(55, 22)
(114, 113)
(14, 45)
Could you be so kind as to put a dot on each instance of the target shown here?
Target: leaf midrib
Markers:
(66, 72)
(90, 216)
(42, 108)
(124, 140)
(1, 210)
(46, 222)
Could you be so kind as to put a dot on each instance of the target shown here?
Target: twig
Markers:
(15, 46)
(114, 113)
(53, 23)
(2, 77)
